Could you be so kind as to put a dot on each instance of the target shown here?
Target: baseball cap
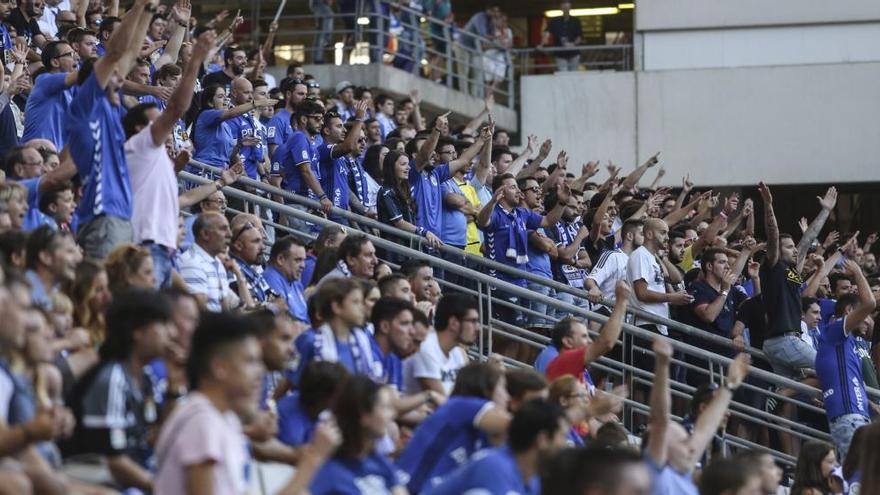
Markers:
(343, 86)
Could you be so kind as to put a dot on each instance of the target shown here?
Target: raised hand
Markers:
(766, 195)
(181, 11)
(590, 169)
(489, 103)
(562, 160)
(748, 207)
(654, 160)
(360, 109)
(686, 184)
(622, 291)
(831, 239)
(486, 133)
(563, 192)
(851, 245)
(662, 350)
(532, 142)
(731, 204)
(803, 224)
(442, 123)
(829, 201)
(871, 240)
(232, 174)
(728, 279)
(604, 402)
(754, 269)
(327, 438)
(416, 97)
(546, 146)
(613, 169)
(738, 370)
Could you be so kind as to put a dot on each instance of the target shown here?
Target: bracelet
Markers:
(730, 387)
(421, 231)
(181, 24)
(323, 196)
(219, 185)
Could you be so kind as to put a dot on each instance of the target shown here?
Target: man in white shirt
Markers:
(440, 356)
(612, 265)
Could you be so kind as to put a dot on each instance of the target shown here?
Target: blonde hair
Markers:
(61, 303)
(10, 190)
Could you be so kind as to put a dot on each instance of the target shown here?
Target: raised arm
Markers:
(136, 39)
(681, 213)
(350, 143)
(484, 166)
(182, 96)
(180, 14)
(416, 116)
(474, 124)
(472, 151)
(563, 193)
(423, 157)
(516, 166)
(484, 217)
(247, 107)
(270, 39)
(534, 165)
(588, 170)
(709, 421)
(636, 175)
(610, 331)
(118, 45)
(867, 303)
(771, 228)
(659, 420)
(827, 202)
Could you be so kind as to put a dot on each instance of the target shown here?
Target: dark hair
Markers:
(611, 434)
(282, 246)
(806, 302)
(497, 151)
(167, 70)
(857, 444)
(43, 238)
(106, 26)
(332, 291)
(701, 396)
(371, 162)
(229, 53)
(400, 187)
(325, 263)
(532, 419)
(201, 223)
(410, 267)
(725, 476)
(13, 157)
(50, 197)
(499, 180)
(205, 98)
(76, 34)
(381, 99)
(523, 380)
(387, 308)
(318, 384)
(386, 282)
(357, 397)
(708, 256)
(215, 333)
(455, 305)
(834, 278)
(844, 301)
(351, 246)
(51, 52)
(135, 117)
(12, 242)
(562, 329)
(477, 380)
(630, 227)
(869, 458)
(304, 109)
(291, 67)
(328, 233)
(579, 470)
(131, 310)
(808, 471)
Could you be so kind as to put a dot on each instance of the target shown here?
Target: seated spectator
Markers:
(537, 430)
(51, 260)
(299, 411)
(331, 236)
(356, 258)
(91, 296)
(524, 385)
(729, 476)
(446, 440)
(284, 276)
(130, 267)
(567, 333)
(441, 355)
(762, 462)
(115, 395)
(596, 471)
(58, 206)
(396, 286)
(246, 250)
(814, 472)
(201, 443)
(569, 392)
(364, 413)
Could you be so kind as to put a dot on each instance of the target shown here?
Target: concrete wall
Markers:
(787, 124)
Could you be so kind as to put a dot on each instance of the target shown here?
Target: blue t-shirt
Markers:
(96, 142)
(668, 481)
(490, 472)
(347, 476)
(454, 220)
(291, 291)
(547, 355)
(295, 426)
(251, 156)
(539, 261)
(308, 270)
(426, 194)
(46, 109)
(305, 351)
(443, 442)
(278, 130)
(392, 366)
(506, 228)
(34, 217)
(213, 139)
(839, 369)
(334, 179)
(294, 152)
(826, 309)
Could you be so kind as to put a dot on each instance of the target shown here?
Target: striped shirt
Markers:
(610, 268)
(205, 275)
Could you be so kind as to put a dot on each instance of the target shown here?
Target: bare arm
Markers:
(470, 153)
(198, 194)
(484, 166)
(350, 144)
(423, 157)
(610, 331)
(126, 472)
(474, 124)
(534, 165)
(770, 226)
(828, 202)
(118, 45)
(567, 253)
(182, 96)
(246, 107)
(867, 303)
(180, 14)
(633, 178)
(659, 420)
(127, 61)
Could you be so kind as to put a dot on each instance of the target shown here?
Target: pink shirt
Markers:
(196, 432)
(154, 190)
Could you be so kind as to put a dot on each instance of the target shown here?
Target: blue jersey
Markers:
(334, 178)
(490, 472)
(278, 130)
(96, 142)
(443, 442)
(251, 156)
(426, 194)
(545, 357)
(539, 261)
(34, 217)
(213, 139)
(295, 426)
(46, 109)
(346, 476)
(392, 366)
(839, 369)
(291, 291)
(306, 353)
(294, 153)
(454, 221)
(565, 271)
(507, 239)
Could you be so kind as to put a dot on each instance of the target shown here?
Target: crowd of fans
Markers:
(154, 342)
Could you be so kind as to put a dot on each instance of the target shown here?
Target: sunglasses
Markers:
(247, 226)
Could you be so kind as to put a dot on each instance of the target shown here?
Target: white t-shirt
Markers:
(197, 432)
(610, 268)
(431, 362)
(642, 265)
(155, 206)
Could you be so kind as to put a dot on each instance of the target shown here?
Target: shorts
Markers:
(100, 235)
(842, 430)
(789, 355)
(533, 320)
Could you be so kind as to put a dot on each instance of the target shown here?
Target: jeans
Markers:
(470, 71)
(574, 301)
(161, 264)
(99, 236)
(567, 64)
(301, 227)
(788, 355)
(324, 25)
(842, 430)
(533, 321)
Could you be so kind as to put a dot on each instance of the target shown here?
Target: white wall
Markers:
(787, 124)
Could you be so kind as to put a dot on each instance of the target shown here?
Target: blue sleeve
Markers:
(33, 191)
(211, 118)
(493, 220)
(465, 409)
(293, 429)
(50, 84)
(274, 135)
(389, 206)
(533, 220)
(325, 153)
(300, 149)
(442, 173)
(834, 333)
(86, 96)
(702, 294)
(305, 352)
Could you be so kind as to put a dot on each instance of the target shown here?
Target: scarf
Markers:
(358, 181)
(361, 351)
(342, 267)
(517, 241)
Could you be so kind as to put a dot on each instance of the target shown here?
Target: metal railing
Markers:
(485, 288)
